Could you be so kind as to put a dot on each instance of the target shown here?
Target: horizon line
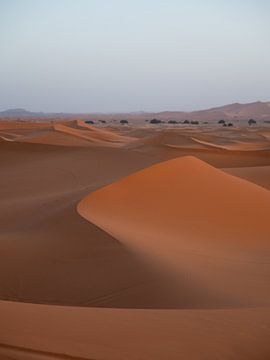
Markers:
(127, 112)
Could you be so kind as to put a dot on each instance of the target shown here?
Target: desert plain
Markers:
(134, 242)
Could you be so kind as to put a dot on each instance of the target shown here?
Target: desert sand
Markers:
(124, 242)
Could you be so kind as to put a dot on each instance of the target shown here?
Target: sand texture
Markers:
(134, 242)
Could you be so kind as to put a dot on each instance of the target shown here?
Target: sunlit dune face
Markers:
(189, 217)
(186, 198)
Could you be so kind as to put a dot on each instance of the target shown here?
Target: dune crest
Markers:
(182, 192)
(94, 135)
(185, 214)
(237, 145)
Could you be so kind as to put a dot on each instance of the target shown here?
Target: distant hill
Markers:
(258, 110)
(19, 113)
(22, 114)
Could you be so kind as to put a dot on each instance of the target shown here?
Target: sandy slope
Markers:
(173, 194)
(173, 212)
(72, 133)
(178, 267)
(94, 135)
(259, 175)
(237, 145)
(48, 252)
(218, 147)
(120, 334)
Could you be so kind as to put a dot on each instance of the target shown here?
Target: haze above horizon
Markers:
(122, 56)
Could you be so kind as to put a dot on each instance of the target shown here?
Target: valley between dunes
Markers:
(125, 242)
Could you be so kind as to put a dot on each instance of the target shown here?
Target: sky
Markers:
(133, 55)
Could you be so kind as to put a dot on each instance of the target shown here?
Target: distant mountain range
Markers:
(22, 113)
(257, 110)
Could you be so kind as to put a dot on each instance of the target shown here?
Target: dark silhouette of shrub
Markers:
(186, 122)
(172, 122)
(155, 121)
(123, 122)
(251, 122)
(230, 124)
(89, 122)
(221, 121)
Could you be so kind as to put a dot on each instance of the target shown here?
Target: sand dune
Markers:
(96, 136)
(52, 332)
(171, 184)
(53, 137)
(259, 175)
(178, 208)
(72, 133)
(76, 263)
(23, 125)
(161, 256)
(222, 148)
(237, 145)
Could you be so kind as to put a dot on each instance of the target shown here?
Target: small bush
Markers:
(155, 121)
(251, 122)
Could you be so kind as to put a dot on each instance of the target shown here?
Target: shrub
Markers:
(251, 122)
(155, 121)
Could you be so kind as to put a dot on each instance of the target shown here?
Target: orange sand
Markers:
(168, 257)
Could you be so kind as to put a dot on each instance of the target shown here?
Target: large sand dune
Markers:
(173, 212)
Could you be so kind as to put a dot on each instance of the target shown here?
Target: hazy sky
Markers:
(132, 55)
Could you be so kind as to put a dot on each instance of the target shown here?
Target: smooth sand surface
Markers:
(167, 256)
(259, 175)
(64, 332)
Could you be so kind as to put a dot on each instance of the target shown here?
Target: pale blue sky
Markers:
(127, 55)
